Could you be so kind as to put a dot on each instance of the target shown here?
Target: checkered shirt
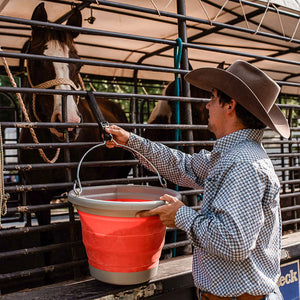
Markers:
(237, 234)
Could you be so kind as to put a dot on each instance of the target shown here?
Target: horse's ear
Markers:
(221, 65)
(40, 14)
(75, 20)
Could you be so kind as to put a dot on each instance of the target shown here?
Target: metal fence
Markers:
(25, 259)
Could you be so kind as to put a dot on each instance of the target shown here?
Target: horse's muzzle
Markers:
(60, 135)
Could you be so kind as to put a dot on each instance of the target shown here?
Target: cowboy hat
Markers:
(247, 85)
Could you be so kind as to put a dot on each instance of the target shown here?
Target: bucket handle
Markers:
(78, 190)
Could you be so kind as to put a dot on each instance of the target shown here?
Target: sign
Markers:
(289, 281)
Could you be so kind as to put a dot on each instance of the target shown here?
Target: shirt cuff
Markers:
(184, 218)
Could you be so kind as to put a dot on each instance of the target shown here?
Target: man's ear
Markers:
(231, 105)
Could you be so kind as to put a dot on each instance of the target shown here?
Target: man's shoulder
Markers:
(247, 150)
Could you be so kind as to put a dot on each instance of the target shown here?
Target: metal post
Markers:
(185, 65)
(67, 158)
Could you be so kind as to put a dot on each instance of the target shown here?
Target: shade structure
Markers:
(143, 33)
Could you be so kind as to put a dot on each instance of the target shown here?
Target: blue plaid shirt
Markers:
(237, 234)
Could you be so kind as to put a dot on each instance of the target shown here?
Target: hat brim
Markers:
(231, 85)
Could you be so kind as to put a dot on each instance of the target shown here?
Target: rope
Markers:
(3, 197)
(46, 85)
(278, 14)
(244, 14)
(296, 28)
(262, 18)
(205, 11)
(81, 82)
(215, 18)
(27, 119)
(177, 60)
(155, 6)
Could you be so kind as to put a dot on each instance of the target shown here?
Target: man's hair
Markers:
(247, 118)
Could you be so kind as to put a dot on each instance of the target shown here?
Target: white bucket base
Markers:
(123, 278)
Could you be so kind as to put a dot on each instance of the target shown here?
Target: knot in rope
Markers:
(5, 198)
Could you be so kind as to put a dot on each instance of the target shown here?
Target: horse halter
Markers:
(46, 85)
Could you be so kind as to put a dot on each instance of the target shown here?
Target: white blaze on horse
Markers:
(54, 48)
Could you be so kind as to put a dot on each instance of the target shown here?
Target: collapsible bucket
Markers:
(121, 248)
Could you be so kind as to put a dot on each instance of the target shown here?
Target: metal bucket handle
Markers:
(78, 190)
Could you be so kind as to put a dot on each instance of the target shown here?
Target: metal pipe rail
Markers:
(95, 125)
(143, 38)
(167, 143)
(115, 95)
(69, 185)
(31, 167)
(173, 15)
(41, 270)
(139, 66)
(39, 166)
(37, 250)
(41, 228)
(34, 208)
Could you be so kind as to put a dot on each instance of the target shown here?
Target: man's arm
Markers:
(180, 168)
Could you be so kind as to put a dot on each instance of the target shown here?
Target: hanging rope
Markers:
(278, 14)
(219, 12)
(177, 60)
(267, 7)
(81, 82)
(27, 119)
(296, 28)
(155, 6)
(206, 13)
(3, 196)
(243, 10)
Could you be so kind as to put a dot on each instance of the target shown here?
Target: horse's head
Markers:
(48, 74)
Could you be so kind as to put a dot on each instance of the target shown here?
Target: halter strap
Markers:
(55, 82)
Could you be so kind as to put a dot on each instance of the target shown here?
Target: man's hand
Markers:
(120, 135)
(166, 212)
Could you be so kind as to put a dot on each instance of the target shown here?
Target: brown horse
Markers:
(164, 113)
(48, 108)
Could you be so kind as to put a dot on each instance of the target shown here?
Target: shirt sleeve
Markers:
(180, 168)
(230, 226)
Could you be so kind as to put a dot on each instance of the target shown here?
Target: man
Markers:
(237, 234)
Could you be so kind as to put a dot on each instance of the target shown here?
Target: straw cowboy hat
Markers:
(249, 86)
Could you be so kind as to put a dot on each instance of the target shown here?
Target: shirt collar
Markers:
(227, 142)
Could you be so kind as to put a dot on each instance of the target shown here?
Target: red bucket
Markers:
(121, 248)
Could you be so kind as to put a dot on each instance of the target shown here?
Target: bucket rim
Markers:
(113, 192)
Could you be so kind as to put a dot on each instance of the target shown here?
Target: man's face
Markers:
(216, 115)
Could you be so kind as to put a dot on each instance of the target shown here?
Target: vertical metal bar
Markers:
(185, 85)
(67, 158)
(185, 66)
(66, 135)
(291, 164)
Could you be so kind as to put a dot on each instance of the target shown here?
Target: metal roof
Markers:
(144, 32)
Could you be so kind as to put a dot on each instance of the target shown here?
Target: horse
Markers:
(48, 108)
(164, 113)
